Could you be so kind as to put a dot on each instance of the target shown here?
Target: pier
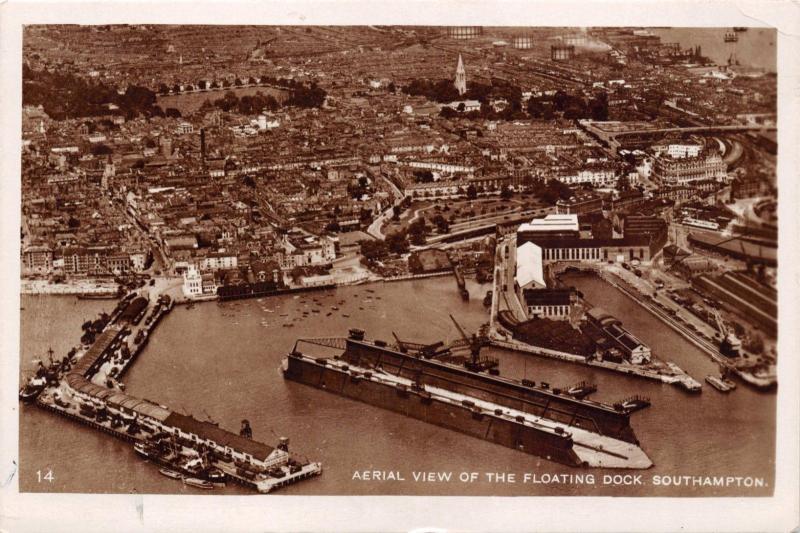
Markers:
(85, 388)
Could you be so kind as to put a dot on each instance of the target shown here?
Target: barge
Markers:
(536, 419)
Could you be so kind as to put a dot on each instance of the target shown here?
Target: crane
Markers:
(425, 350)
(475, 343)
(730, 345)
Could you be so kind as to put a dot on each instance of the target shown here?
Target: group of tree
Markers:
(246, 105)
(358, 187)
(375, 250)
(569, 105)
(417, 231)
(554, 190)
(299, 96)
(441, 223)
(444, 91)
(64, 95)
(423, 176)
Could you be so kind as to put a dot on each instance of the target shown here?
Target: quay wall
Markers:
(484, 425)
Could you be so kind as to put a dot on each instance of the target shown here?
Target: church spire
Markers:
(461, 77)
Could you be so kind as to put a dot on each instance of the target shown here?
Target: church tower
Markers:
(461, 77)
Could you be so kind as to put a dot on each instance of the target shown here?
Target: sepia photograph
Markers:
(398, 260)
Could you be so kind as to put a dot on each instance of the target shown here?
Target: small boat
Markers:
(198, 483)
(215, 476)
(170, 473)
(719, 383)
(334, 308)
(346, 316)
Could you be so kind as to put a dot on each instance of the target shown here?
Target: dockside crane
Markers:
(427, 351)
(729, 345)
(476, 363)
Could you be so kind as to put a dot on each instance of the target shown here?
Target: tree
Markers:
(417, 231)
(73, 223)
(448, 112)
(101, 149)
(598, 106)
(441, 224)
(505, 192)
(172, 112)
(397, 242)
(472, 192)
(373, 250)
(423, 176)
(163, 89)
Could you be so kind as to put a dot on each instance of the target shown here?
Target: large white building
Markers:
(552, 223)
(678, 150)
(192, 282)
(219, 261)
(301, 249)
(604, 176)
(530, 267)
(669, 170)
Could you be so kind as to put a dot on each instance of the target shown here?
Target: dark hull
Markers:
(592, 416)
(416, 404)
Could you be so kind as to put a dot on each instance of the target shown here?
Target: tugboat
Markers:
(32, 389)
(39, 381)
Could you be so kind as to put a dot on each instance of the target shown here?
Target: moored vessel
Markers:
(719, 383)
(537, 419)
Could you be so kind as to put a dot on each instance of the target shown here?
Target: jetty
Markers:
(85, 388)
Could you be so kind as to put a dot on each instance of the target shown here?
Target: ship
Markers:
(98, 296)
(731, 37)
(32, 388)
(43, 376)
(160, 449)
(541, 420)
(739, 29)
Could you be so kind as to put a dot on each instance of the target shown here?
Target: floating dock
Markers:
(549, 424)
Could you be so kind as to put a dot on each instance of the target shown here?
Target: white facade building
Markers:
(192, 282)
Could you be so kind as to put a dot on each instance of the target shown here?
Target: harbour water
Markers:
(223, 361)
(755, 47)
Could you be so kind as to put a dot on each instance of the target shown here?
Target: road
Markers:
(375, 229)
